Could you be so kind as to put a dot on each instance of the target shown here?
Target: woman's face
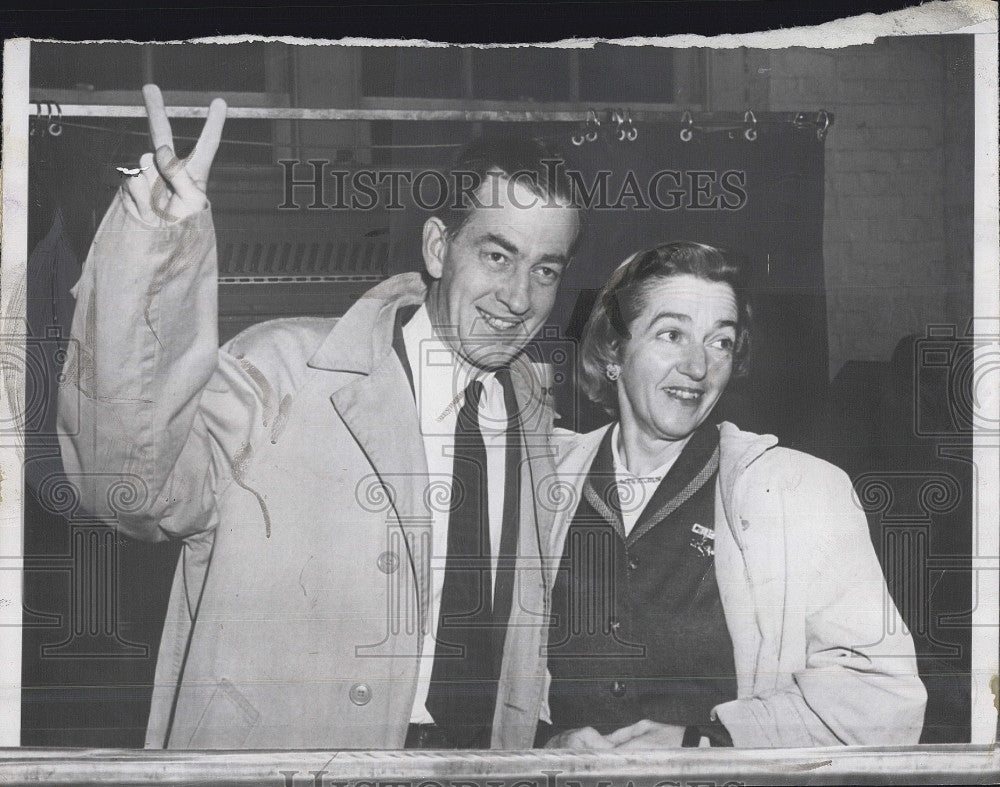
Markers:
(680, 357)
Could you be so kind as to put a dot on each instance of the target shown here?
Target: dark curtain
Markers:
(762, 201)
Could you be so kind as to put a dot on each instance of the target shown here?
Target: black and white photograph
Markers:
(587, 412)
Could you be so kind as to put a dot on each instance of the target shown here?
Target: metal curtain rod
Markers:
(701, 119)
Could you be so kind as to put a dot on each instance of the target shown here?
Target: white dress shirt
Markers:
(440, 378)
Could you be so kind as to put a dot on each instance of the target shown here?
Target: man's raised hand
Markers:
(169, 189)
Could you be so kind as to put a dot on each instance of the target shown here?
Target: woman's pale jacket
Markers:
(822, 656)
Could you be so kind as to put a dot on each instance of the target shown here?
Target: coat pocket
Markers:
(227, 720)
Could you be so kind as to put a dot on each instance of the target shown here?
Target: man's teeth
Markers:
(681, 393)
(498, 323)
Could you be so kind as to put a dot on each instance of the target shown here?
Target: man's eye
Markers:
(496, 257)
(548, 273)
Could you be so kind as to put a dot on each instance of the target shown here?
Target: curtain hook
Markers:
(588, 130)
(36, 121)
(687, 132)
(618, 118)
(632, 133)
(44, 123)
(823, 120)
(593, 126)
(55, 126)
(750, 132)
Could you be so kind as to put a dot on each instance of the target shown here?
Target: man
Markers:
(347, 578)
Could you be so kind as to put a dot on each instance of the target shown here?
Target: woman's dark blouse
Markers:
(638, 627)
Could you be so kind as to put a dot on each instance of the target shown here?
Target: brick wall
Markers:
(897, 235)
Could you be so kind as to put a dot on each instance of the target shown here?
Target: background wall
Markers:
(897, 253)
(899, 163)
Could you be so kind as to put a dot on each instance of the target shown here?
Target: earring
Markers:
(613, 370)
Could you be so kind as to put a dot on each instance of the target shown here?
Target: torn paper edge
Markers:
(977, 17)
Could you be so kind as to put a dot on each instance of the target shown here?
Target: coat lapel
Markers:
(538, 468)
(379, 410)
(373, 397)
(522, 672)
(574, 455)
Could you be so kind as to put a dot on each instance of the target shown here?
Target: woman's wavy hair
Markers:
(624, 297)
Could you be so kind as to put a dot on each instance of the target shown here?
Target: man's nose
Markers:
(515, 292)
(695, 362)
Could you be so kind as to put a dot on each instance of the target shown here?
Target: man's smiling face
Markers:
(495, 281)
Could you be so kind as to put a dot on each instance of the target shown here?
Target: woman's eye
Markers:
(670, 336)
(724, 343)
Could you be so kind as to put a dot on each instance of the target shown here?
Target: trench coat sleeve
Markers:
(153, 417)
(859, 684)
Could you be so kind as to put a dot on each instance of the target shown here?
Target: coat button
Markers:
(618, 689)
(360, 693)
(615, 624)
(387, 562)
(633, 563)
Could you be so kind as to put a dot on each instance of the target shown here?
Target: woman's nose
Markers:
(695, 362)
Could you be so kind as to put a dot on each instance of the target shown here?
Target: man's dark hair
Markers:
(529, 162)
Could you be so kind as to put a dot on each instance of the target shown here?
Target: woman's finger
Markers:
(624, 734)
(200, 160)
(653, 735)
(159, 124)
(639, 742)
(621, 735)
(581, 738)
(589, 738)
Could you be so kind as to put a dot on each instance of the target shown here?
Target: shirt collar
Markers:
(621, 469)
(441, 377)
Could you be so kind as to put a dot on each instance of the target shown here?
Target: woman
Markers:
(713, 588)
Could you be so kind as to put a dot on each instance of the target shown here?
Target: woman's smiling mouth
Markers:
(684, 394)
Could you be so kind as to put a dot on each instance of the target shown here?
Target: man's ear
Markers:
(434, 246)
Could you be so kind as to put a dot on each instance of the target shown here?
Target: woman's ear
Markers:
(615, 348)
(434, 246)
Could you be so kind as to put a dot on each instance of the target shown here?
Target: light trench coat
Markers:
(291, 464)
(821, 654)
